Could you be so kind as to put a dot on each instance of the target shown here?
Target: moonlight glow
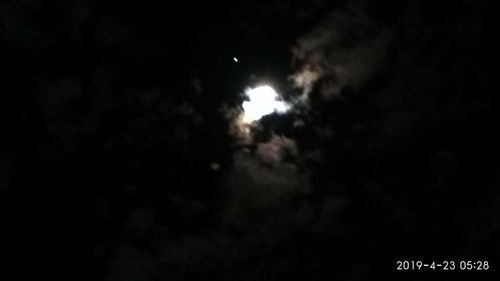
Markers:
(263, 101)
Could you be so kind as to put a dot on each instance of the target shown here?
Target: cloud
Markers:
(238, 129)
(266, 204)
(345, 50)
(276, 150)
(265, 180)
(128, 263)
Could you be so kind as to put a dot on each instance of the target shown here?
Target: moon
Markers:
(263, 100)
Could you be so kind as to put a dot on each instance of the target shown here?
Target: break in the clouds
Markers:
(345, 50)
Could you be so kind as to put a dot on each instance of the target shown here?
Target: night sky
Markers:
(124, 154)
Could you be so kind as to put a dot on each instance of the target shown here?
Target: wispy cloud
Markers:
(345, 50)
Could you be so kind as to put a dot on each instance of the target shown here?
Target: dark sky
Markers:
(120, 157)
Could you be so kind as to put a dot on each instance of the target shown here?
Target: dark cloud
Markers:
(264, 206)
(128, 263)
(264, 180)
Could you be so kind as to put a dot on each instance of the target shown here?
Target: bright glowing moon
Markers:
(235, 59)
(263, 101)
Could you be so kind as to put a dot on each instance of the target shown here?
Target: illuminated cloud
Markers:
(276, 150)
(345, 50)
